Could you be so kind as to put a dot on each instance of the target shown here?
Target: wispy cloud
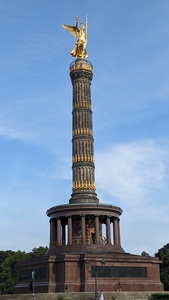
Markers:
(32, 118)
(129, 172)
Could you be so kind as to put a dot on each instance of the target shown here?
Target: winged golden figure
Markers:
(81, 39)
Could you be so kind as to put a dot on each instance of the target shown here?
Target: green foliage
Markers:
(8, 272)
(40, 251)
(144, 253)
(163, 255)
(60, 297)
(5, 254)
(8, 260)
(113, 298)
(159, 296)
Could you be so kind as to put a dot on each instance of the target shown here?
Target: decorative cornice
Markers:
(85, 65)
(81, 74)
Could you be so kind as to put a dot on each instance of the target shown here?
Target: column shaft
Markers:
(108, 233)
(63, 235)
(58, 231)
(70, 230)
(97, 239)
(118, 225)
(116, 232)
(83, 232)
(83, 168)
(52, 232)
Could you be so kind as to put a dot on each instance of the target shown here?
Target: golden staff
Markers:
(86, 26)
(77, 19)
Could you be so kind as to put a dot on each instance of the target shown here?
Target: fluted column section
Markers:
(70, 230)
(116, 232)
(118, 228)
(83, 231)
(83, 169)
(97, 239)
(108, 233)
(63, 234)
(53, 232)
(59, 231)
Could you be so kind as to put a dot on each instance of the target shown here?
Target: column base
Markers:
(83, 197)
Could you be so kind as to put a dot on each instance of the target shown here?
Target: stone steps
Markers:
(81, 296)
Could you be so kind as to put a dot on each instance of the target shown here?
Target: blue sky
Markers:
(128, 45)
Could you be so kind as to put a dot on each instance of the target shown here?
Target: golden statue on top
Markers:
(81, 38)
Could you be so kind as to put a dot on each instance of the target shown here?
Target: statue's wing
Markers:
(73, 29)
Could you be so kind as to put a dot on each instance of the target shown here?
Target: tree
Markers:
(144, 253)
(8, 260)
(163, 255)
(8, 271)
(40, 251)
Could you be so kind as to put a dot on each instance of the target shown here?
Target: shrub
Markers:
(159, 297)
(60, 297)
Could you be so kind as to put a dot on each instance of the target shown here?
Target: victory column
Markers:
(85, 253)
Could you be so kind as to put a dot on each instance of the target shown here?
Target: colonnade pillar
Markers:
(83, 231)
(116, 230)
(53, 231)
(59, 232)
(97, 238)
(108, 233)
(63, 234)
(69, 230)
(118, 222)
